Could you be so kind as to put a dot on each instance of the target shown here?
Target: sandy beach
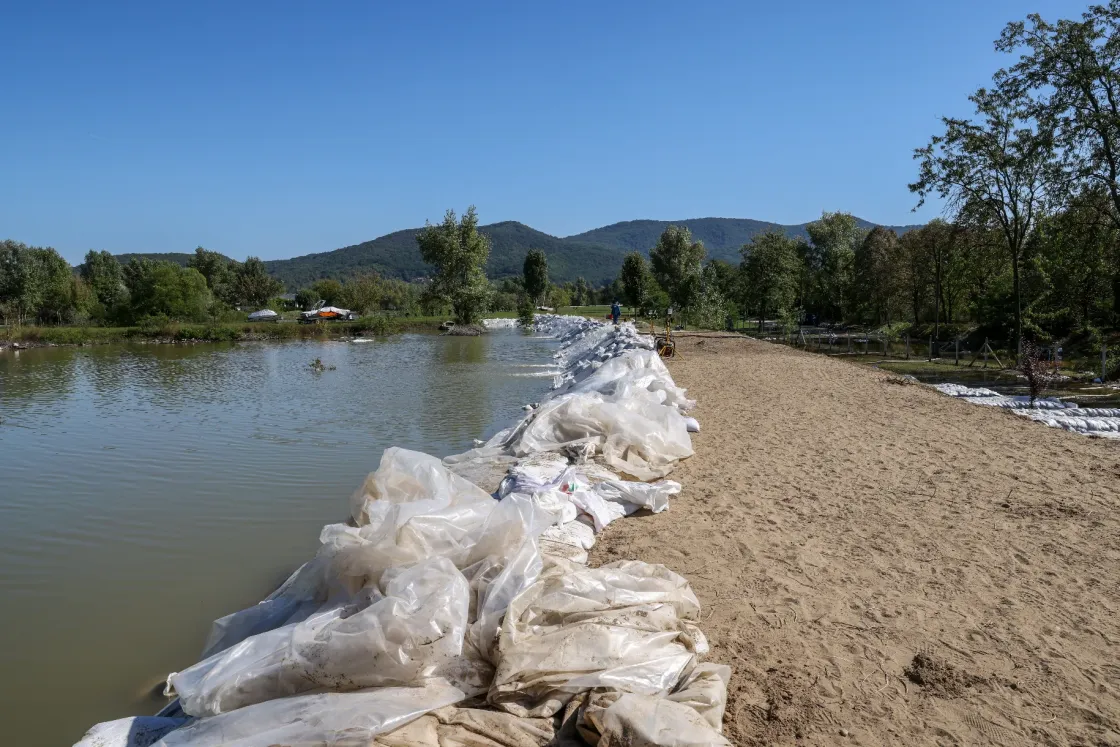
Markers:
(883, 565)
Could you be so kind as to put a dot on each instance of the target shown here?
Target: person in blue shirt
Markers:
(616, 311)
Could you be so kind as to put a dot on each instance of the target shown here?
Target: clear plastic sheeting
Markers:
(471, 727)
(319, 720)
(1103, 422)
(626, 626)
(411, 629)
(137, 731)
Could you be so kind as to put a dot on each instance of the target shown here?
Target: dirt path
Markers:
(883, 565)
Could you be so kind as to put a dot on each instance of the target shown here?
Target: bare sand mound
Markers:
(883, 565)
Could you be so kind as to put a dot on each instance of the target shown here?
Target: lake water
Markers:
(146, 490)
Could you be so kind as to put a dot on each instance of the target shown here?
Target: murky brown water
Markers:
(146, 490)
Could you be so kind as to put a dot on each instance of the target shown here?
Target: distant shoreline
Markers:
(37, 337)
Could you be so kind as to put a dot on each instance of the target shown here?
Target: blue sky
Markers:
(283, 128)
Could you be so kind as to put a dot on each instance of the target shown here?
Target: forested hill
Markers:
(595, 255)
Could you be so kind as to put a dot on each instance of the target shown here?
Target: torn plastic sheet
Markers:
(626, 626)
(319, 720)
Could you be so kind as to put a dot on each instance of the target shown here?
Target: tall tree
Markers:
(459, 253)
(633, 279)
(102, 272)
(56, 303)
(832, 251)
(254, 285)
(770, 271)
(878, 279)
(993, 171)
(677, 262)
(21, 282)
(535, 271)
(580, 294)
(1071, 69)
(220, 272)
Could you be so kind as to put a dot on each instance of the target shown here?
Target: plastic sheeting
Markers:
(1051, 411)
(625, 626)
(137, 731)
(411, 629)
(319, 720)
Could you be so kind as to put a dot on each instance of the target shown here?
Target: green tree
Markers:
(994, 172)
(832, 252)
(220, 272)
(459, 253)
(676, 263)
(21, 286)
(254, 286)
(580, 295)
(327, 290)
(1071, 69)
(878, 275)
(102, 272)
(635, 278)
(770, 270)
(56, 302)
(362, 294)
(164, 289)
(535, 271)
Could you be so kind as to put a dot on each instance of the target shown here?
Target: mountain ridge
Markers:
(595, 255)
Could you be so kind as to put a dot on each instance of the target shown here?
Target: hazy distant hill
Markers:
(596, 255)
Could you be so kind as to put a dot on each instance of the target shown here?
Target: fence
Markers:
(855, 343)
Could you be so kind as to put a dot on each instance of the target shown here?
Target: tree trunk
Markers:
(1018, 304)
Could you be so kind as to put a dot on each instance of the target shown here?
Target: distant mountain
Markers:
(595, 255)
(722, 237)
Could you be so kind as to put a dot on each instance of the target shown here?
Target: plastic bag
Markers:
(623, 626)
(400, 639)
(319, 720)
(416, 479)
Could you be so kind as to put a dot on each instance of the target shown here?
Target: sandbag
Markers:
(470, 727)
(319, 720)
(632, 720)
(136, 731)
(414, 632)
(625, 626)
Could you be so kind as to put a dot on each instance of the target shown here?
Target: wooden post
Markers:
(931, 350)
(907, 346)
(849, 335)
(1104, 362)
(957, 353)
(985, 349)
(865, 344)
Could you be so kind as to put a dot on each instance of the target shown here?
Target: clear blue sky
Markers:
(285, 128)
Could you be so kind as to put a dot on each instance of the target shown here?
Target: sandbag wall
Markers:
(1103, 422)
(442, 614)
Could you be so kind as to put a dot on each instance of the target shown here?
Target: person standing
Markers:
(616, 311)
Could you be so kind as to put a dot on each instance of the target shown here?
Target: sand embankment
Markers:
(836, 527)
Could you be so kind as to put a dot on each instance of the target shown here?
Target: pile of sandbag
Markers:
(442, 615)
(1090, 421)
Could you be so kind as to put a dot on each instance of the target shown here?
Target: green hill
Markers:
(596, 255)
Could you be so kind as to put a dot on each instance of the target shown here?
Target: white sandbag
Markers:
(470, 727)
(319, 720)
(632, 720)
(635, 370)
(416, 479)
(705, 691)
(136, 731)
(625, 626)
(412, 633)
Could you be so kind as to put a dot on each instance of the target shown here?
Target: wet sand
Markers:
(883, 565)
